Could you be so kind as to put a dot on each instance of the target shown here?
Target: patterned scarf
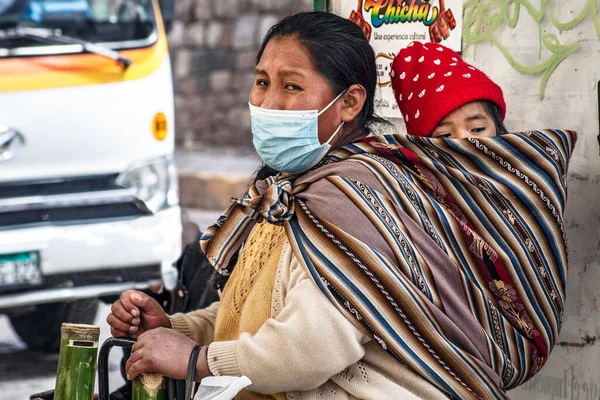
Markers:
(450, 254)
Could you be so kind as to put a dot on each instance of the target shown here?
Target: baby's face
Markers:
(471, 120)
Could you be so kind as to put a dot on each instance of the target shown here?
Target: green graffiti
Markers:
(483, 18)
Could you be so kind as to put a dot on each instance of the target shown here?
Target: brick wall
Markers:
(213, 45)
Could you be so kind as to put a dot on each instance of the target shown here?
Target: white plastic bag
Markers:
(221, 387)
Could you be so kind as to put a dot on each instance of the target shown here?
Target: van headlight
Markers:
(154, 183)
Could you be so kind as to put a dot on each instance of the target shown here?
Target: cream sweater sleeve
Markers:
(198, 325)
(303, 346)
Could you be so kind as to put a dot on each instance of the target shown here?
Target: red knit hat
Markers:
(430, 81)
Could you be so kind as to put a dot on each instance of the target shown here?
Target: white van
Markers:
(88, 191)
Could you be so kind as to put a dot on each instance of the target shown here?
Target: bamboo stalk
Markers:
(76, 371)
(149, 386)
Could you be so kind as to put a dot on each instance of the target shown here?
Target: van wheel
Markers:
(40, 329)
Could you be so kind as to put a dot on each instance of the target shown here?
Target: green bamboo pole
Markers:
(76, 371)
(320, 5)
(149, 386)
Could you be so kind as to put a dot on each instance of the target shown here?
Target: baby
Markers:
(442, 96)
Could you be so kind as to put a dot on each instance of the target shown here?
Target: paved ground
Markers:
(208, 180)
(222, 161)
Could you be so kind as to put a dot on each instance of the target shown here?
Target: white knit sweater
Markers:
(307, 349)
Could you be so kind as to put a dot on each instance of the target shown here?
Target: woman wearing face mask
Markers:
(370, 267)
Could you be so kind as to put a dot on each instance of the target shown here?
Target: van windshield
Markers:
(117, 23)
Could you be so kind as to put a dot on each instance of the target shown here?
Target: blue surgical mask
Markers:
(288, 140)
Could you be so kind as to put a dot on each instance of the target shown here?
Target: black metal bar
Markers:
(62, 216)
(171, 389)
(62, 185)
(189, 381)
(103, 363)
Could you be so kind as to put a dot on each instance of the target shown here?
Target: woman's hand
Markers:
(135, 313)
(166, 352)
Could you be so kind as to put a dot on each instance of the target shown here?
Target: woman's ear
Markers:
(353, 102)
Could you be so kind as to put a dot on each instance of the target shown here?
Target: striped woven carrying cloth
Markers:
(451, 254)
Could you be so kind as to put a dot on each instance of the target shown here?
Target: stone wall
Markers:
(213, 45)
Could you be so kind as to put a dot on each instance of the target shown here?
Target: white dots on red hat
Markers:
(449, 73)
(392, 73)
(439, 89)
(406, 117)
(453, 65)
(407, 59)
(440, 48)
(416, 78)
(454, 59)
(471, 68)
(411, 44)
(400, 98)
(437, 61)
(403, 75)
(430, 76)
(417, 114)
(422, 93)
(410, 95)
(422, 59)
(466, 75)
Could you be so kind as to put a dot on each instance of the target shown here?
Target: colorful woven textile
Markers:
(449, 253)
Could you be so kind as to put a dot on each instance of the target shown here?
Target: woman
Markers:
(312, 61)
(367, 268)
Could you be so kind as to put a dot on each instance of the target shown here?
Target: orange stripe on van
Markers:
(55, 71)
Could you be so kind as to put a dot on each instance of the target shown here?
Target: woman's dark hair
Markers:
(493, 111)
(339, 51)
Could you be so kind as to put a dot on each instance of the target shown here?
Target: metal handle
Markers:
(189, 381)
(103, 362)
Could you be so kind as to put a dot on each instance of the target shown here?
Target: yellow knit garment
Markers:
(246, 300)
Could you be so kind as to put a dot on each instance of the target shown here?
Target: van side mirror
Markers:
(167, 10)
